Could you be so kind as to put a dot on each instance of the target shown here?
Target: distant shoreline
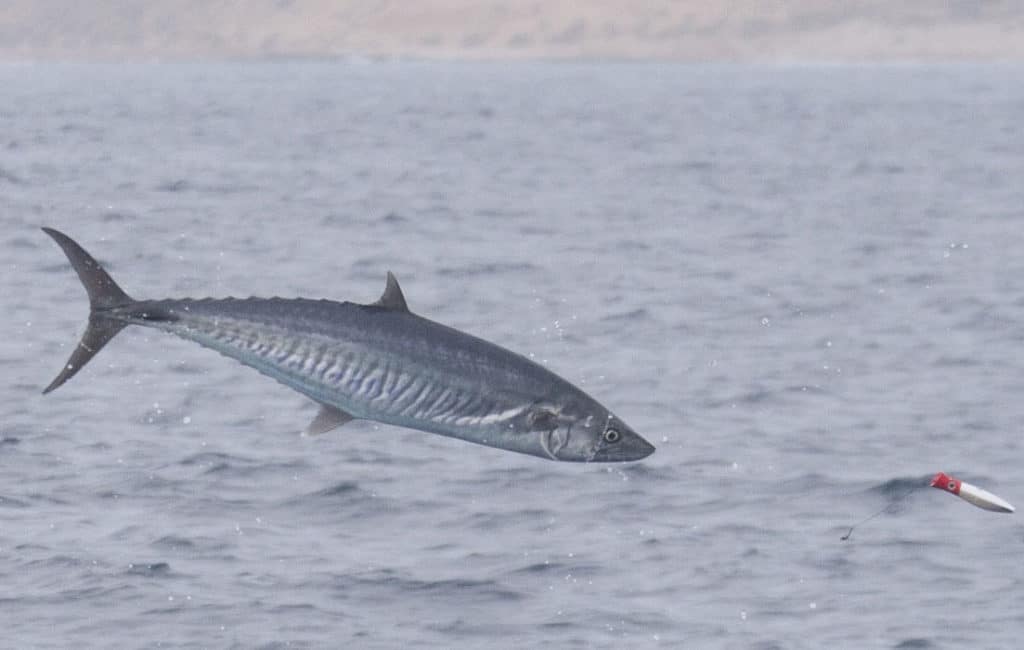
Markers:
(410, 60)
(383, 59)
(687, 31)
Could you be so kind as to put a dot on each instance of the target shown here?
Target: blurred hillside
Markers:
(691, 30)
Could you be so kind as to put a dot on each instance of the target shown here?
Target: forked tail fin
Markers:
(104, 294)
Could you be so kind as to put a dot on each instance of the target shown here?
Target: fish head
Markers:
(584, 431)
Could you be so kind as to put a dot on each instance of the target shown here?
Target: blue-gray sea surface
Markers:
(805, 285)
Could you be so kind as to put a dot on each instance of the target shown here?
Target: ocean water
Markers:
(805, 285)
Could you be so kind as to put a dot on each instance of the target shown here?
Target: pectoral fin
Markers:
(328, 418)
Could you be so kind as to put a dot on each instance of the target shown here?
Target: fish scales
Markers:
(296, 352)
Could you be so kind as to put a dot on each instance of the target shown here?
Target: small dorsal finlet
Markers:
(392, 297)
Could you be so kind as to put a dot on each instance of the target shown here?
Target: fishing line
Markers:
(895, 502)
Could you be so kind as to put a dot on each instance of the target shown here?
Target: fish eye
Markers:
(951, 485)
(612, 435)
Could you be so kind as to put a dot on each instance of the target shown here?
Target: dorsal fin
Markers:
(392, 297)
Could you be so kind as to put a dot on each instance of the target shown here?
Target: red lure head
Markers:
(946, 482)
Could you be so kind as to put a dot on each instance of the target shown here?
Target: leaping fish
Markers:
(376, 362)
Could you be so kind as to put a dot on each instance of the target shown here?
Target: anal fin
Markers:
(328, 418)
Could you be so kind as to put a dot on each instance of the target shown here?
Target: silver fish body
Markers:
(376, 362)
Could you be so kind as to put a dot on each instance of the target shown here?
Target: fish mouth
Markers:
(630, 448)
